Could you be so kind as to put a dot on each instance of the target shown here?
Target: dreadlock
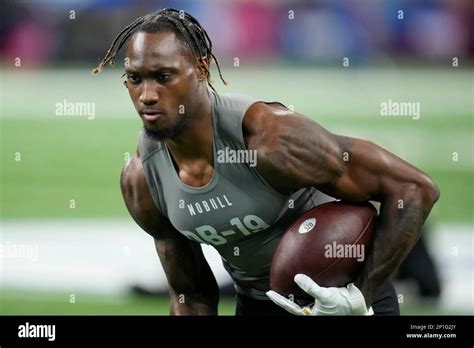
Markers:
(186, 28)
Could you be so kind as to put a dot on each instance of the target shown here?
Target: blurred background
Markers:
(68, 245)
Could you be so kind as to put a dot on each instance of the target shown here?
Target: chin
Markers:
(166, 132)
(162, 134)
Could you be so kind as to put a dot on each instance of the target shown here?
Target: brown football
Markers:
(328, 243)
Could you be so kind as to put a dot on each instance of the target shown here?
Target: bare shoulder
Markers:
(133, 183)
(271, 124)
(261, 117)
(137, 197)
(293, 151)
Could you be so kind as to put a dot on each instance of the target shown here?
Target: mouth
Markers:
(151, 115)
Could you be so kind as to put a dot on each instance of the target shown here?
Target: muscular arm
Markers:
(295, 152)
(193, 288)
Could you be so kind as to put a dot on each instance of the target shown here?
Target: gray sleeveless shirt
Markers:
(237, 212)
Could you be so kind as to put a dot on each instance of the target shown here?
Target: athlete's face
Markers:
(162, 80)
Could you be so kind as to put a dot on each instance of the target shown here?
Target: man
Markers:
(178, 190)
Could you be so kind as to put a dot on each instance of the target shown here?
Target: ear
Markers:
(203, 68)
(124, 81)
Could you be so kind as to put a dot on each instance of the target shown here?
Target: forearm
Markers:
(193, 305)
(398, 228)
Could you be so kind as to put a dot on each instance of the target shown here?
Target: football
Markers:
(328, 243)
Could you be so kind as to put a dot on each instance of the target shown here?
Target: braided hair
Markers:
(186, 28)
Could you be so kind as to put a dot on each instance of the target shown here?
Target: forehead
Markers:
(162, 49)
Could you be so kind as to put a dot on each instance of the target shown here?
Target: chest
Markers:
(234, 206)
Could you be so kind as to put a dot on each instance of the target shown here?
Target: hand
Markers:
(328, 301)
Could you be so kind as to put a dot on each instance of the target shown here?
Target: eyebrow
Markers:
(161, 69)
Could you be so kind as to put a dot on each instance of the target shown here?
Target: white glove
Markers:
(328, 301)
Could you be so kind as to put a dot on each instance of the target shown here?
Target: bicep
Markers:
(296, 152)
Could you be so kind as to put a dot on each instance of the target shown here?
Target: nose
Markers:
(149, 94)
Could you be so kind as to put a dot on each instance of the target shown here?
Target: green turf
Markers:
(61, 161)
(27, 303)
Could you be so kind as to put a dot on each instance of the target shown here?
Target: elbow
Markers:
(429, 191)
(432, 191)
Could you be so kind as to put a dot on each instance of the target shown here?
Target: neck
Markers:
(196, 140)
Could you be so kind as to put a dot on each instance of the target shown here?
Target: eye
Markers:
(164, 77)
(134, 79)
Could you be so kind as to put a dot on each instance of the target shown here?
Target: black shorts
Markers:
(385, 303)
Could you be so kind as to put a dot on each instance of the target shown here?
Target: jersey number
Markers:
(208, 234)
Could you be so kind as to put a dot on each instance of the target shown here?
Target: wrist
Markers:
(357, 301)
